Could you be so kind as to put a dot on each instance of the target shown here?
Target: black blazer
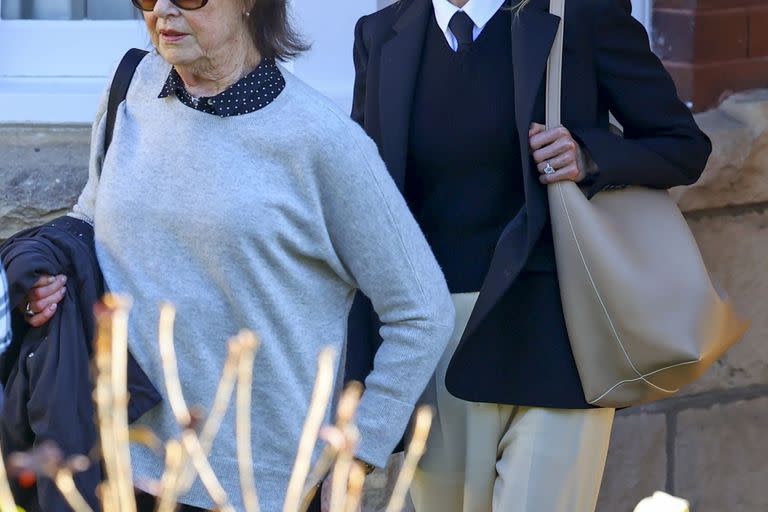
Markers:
(515, 349)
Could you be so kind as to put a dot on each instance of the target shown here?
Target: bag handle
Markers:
(555, 68)
(119, 89)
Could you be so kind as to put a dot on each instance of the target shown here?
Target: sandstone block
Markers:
(737, 172)
(42, 171)
(637, 462)
(721, 457)
(735, 248)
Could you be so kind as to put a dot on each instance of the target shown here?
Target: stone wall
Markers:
(712, 47)
(705, 445)
(42, 170)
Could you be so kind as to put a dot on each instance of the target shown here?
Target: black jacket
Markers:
(515, 349)
(46, 372)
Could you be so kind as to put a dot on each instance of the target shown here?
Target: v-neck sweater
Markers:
(464, 179)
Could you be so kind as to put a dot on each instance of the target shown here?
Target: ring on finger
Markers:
(548, 169)
(28, 310)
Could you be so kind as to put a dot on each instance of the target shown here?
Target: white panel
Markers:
(642, 9)
(32, 48)
(330, 28)
(54, 71)
(35, 100)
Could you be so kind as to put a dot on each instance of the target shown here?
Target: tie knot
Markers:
(462, 27)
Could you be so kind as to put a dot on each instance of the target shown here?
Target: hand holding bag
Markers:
(643, 316)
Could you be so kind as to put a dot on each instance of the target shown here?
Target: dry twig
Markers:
(342, 469)
(65, 483)
(321, 395)
(334, 437)
(174, 458)
(189, 439)
(182, 480)
(7, 504)
(249, 344)
(412, 456)
(112, 401)
(355, 489)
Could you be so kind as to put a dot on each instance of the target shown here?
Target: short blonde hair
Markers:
(520, 5)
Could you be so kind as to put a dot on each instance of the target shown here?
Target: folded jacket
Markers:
(46, 371)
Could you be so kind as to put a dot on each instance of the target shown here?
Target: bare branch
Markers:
(317, 408)
(7, 504)
(412, 456)
(249, 344)
(189, 439)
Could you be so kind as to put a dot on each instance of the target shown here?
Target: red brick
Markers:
(705, 4)
(701, 36)
(703, 84)
(758, 32)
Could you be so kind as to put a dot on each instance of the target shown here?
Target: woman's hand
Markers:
(557, 155)
(41, 302)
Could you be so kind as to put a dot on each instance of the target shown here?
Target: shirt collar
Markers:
(252, 92)
(479, 11)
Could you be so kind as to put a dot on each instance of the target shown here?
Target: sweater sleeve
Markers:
(84, 207)
(385, 254)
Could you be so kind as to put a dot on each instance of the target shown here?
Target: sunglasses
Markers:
(187, 5)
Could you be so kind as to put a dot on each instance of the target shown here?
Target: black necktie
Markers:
(462, 27)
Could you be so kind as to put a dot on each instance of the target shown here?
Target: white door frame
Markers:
(55, 71)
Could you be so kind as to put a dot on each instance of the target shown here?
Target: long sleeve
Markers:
(388, 259)
(84, 207)
(662, 145)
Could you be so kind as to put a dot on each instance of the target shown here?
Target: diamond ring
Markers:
(548, 169)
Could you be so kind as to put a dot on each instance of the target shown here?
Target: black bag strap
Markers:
(119, 89)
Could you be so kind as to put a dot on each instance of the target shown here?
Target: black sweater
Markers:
(463, 178)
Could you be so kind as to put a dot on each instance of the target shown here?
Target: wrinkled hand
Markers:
(43, 299)
(557, 148)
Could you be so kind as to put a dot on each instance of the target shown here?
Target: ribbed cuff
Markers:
(382, 422)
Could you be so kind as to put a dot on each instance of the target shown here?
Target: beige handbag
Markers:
(643, 316)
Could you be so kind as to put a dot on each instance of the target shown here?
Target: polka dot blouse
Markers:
(254, 91)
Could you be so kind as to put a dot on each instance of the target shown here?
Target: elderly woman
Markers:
(244, 197)
(453, 91)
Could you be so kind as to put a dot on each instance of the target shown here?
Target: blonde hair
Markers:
(516, 8)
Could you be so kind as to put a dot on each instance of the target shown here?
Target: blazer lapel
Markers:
(533, 32)
(400, 59)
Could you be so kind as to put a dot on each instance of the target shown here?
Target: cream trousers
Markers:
(505, 458)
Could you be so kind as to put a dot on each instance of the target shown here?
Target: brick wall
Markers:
(712, 47)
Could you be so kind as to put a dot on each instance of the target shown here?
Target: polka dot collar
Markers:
(253, 92)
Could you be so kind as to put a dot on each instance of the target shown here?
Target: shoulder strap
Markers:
(555, 67)
(119, 89)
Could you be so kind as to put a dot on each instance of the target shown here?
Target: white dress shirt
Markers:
(479, 11)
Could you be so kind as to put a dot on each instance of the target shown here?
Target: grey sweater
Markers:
(269, 221)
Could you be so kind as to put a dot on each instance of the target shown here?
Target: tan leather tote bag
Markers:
(643, 316)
